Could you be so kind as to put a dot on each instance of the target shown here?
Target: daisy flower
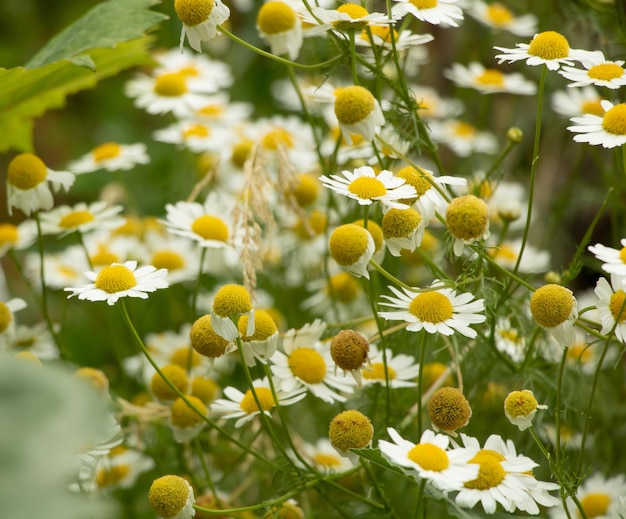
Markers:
(98, 216)
(431, 105)
(533, 260)
(17, 237)
(194, 135)
(402, 229)
(262, 343)
(349, 430)
(358, 112)
(577, 101)
(599, 495)
(185, 421)
(600, 72)
(62, 269)
(120, 280)
(324, 456)
(381, 37)
(520, 407)
(585, 354)
(555, 309)
(509, 340)
(172, 497)
(467, 219)
(548, 48)
(366, 186)
(504, 477)
(436, 12)
(614, 260)
(243, 406)
(352, 247)
(307, 362)
(119, 469)
(279, 24)
(430, 459)
(200, 20)
(612, 306)
(347, 17)
(436, 310)
(204, 74)
(607, 129)
(402, 370)
(28, 183)
(498, 16)
(176, 254)
(111, 156)
(489, 80)
(463, 138)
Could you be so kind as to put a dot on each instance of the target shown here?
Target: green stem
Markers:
(557, 410)
(196, 290)
(389, 276)
(420, 380)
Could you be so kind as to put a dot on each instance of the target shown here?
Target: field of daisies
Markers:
(313, 259)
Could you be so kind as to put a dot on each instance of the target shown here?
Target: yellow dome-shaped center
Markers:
(185, 356)
(193, 12)
(327, 460)
(353, 104)
(168, 259)
(106, 151)
(419, 179)
(499, 15)
(350, 430)
(168, 496)
(343, 287)
(520, 403)
(605, 71)
(264, 326)
(348, 243)
(9, 234)
(617, 306)
(592, 107)
(377, 372)
(196, 130)
(595, 504)
(75, 219)
(551, 305)
(400, 223)
(549, 45)
(355, 12)
(115, 278)
(266, 399)
(276, 17)
(431, 307)
(171, 84)
(103, 256)
(490, 77)
(232, 300)
(429, 457)
(210, 228)
(467, 217)
(107, 477)
(276, 138)
(240, 152)
(614, 121)
(183, 416)
(308, 365)
(367, 188)
(490, 473)
(424, 4)
(26, 171)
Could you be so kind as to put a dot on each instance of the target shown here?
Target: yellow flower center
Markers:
(168, 496)
(106, 151)
(211, 110)
(193, 12)
(112, 475)
(490, 473)
(499, 15)
(353, 104)
(622, 254)
(264, 326)
(5, 317)
(204, 340)
(349, 350)
(205, 389)
(520, 403)
(491, 77)
(614, 120)
(580, 353)
(276, 17)
(429, 457)
(551, 305)
(317, 222)
(183, 416)
(431, 307)
(305, 189)
(26, 171)
(355, 12)
(185, 356)
(196, 130)
(510, 335)
(367, 188)
(8, 234)
(348, 243)
(232, 300)
(103, 256)
(400, 223)
(115, 278)
(467, 217)
(595, 504)
(167, 259)
(170, 84)
(176, 374)
(210, 228)
(448, 409)
(350, 430)
(605, 71)
(75, 219)
(617, 306)
(424, 4)
(266, 399)
(419, 179)
(277, 138)
(463, 129)
(504, 252)
(382, 31)
(344, 288)
(240, 152)
(592, 107)
(326, 460)
(549, 45)
(308, 365)
(377, 372)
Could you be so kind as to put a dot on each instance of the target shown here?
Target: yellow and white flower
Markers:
(599, 72)
(607, 129)
(612, 306)
(172, 497)
(17, 237)
(347, 17)
(436, 12)
(489, 80)
(194, 135)
(402, 229)
(279, 24)
(352, 247)
(111, 156)
(84, 218)
(498, 16)
(614, 260)
(402, 370)
(575, 102)
(7, 319)
(555, 309)
(462, 137)
(520, 407)
(200, 20)
(204, 74)
(600, 496)
(325, 457)
(358, 112)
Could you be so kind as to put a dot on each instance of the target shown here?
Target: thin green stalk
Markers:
(557, 410)
(420, 380)
(81, 240)
(389, 276)
(207, 472)
(377, 489)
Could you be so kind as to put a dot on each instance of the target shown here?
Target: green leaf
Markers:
(105, 25)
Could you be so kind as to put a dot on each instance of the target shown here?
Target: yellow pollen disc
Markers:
(431, 307)
(622, 255)
(112, 475)
(171, 84)
(595, 504)
(429, 457)
(382, 31)
(189, 71)
(490, 473)
(551, 305)
(276, 138)
(326, 460)
(115, 278)
(168, 496)
(350, 430)
(240, 152)
(167, 259)
(185, 356)
(103, 256)
(504, 252)
(196, 130)
(266, 399)
(467, 217)
(276, 17)
(193, 12)
(5, 317)
(355, 12)
(344, 288)
(348, 243)
(593, 108)
(264, 326)
(308, 365)
(106, 151)
(580, 353)
(210, 228)
(232, 300)
(419, 179)
(463, 129)
(520, 403)
(305, 189)
(606, 71)
(183, 416)
(75, 219)
(424, 4)
(205, 389)
(211, 111)
(367, 188)
(375, 230)
(204, 340)
(353, 104)
(491, 77)
(499, 15)
(400, 223)
(448, 409)
(614, 120)
(377, 372)
(8, 234)
(349, 350)
(176, 374)
(617, 306)
(549, 45)
(26, 171)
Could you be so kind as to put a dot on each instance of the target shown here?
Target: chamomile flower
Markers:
(262, 343)
(244, 407)
(435, 12)
(607, 129)
(366, 186)
(17, 237)
(463, 138)
(381, 37)
(555, 309)
(489, 80)
(520, 407)
(548, 48)
(436, 310)
(196, 136)
(500, 17)
(430, 459)
(172, 497)
(347, 17)
(204, 74)
(612, 306)
(358, 112)
(614, 260)
(324, 456)
(533, 259)
(349, 350)
(449, 410)
(176, 254)
(600, 72)
(279, 24)
(348, 430)
(402, 229)
(599, 495)
(200, 20)
(84, 218)
(585, 354)
(402, 370)
(510, 340)
(119, 469)
(432, 106)
(120, 280)
(29, 181)
(575, 102)
(467, 219)
(185, 421)
(352, 247)
(111, 156)
(307, 362)
(35, 339)
(230, 303)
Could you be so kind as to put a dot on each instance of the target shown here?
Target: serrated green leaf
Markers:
(105, 25)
